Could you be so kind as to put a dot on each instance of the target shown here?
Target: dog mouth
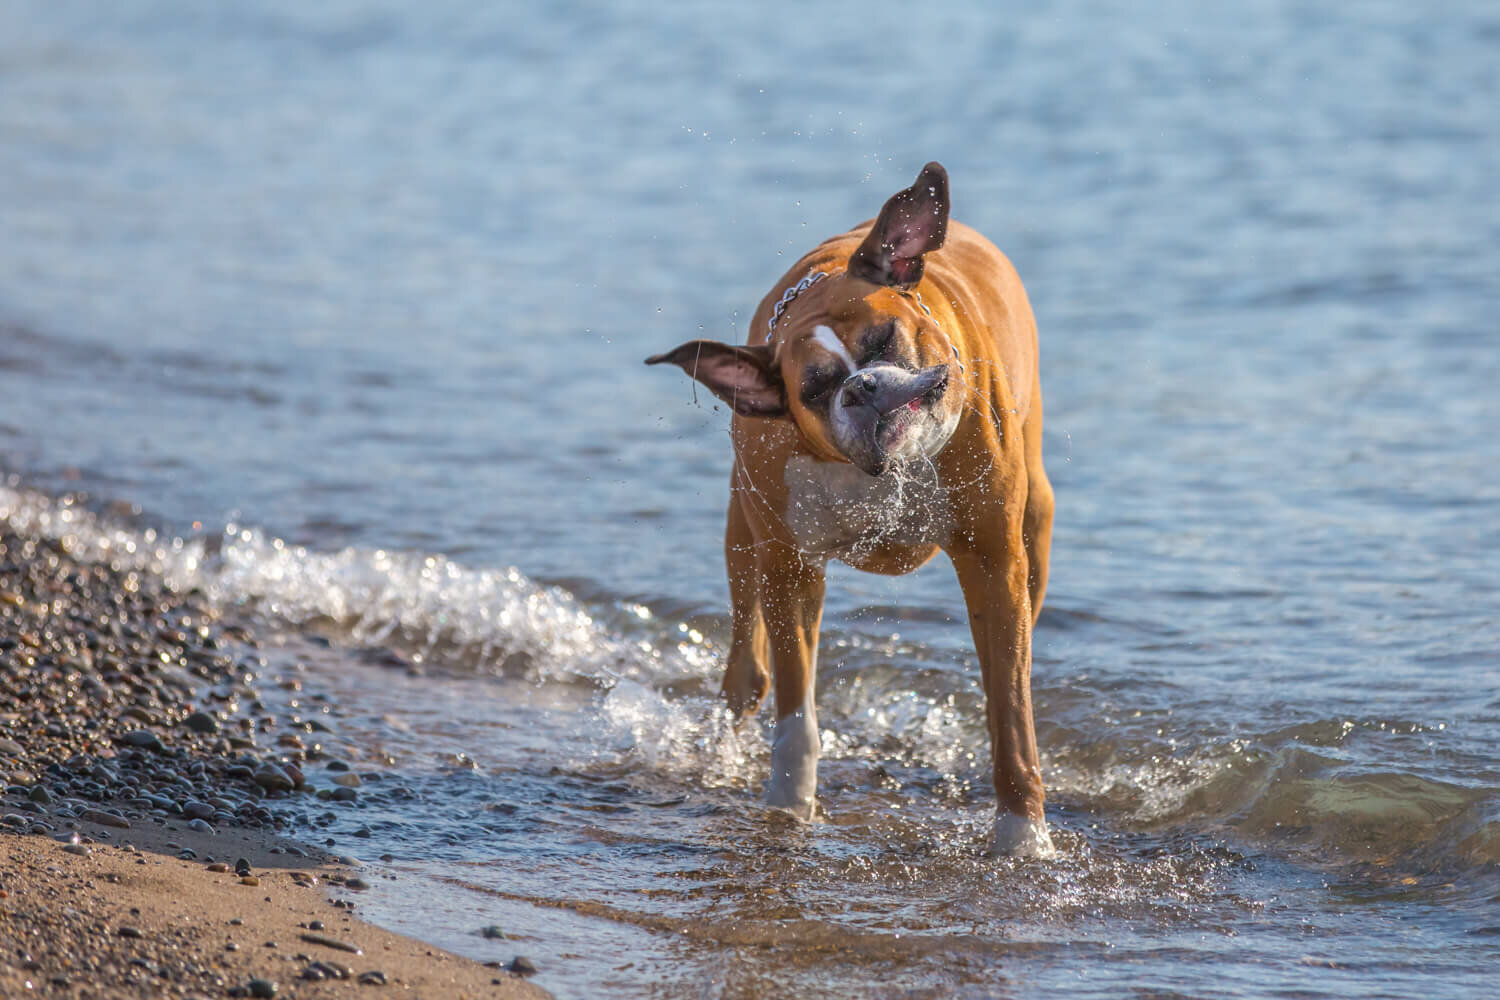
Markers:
(922, 397)
(881, 410)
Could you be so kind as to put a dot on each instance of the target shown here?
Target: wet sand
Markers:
(151, 806)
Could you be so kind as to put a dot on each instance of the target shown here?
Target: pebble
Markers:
(104, 819)
(332, 942)
(493, 932)
(356, 883)
(249, 880)
(193, 809)
(200, 825)
(332, 969)
(78, 849)
(262, 988)
(218, 866)
(126, 931)
(143, 738)
(272, 778)
(347, 779)
(372, 978)
(522, 966)
(201, 722)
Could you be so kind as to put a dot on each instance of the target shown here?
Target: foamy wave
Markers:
(485, 619)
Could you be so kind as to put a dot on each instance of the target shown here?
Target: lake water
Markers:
(337, 311)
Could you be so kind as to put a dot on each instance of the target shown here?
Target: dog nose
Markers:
(859, 389)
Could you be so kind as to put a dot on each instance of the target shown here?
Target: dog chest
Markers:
(835, 509)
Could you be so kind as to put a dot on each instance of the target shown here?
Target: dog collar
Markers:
(790, 294)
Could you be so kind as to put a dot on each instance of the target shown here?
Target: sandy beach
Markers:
(148, 838)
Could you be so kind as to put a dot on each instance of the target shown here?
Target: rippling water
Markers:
(337, 314)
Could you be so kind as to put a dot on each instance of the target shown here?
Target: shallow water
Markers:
(338, 314)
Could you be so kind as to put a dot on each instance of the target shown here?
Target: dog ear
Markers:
(912, 223)
(744, 377)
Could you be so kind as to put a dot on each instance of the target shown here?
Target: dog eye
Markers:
(817, 384)
(878, 343)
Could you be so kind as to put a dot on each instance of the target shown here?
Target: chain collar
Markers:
(790, 294)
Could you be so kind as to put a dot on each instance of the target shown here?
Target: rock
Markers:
(272, 778)
(194, 809)
(249, 880)
(342, 794)
(102, 818)
(356, 883)
(348, 779)
(332, 969)
(262, 988)
(78, 849)
(372, 978)
(201, 722)
(492, 932)
(126, 931)
(202, 826)
(143, 738)
(332, 942)
(522, 966)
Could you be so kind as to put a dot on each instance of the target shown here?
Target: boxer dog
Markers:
(886, 406)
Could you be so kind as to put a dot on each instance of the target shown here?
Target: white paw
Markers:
(802, 809)
(1021, 837)
(794, 763)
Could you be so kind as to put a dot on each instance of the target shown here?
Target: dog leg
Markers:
(1037, 525)
(995, 583)
(792, 600)
(746, 678)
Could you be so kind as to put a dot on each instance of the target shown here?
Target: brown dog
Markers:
(887, 405)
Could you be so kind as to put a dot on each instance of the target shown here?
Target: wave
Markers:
(487, 620)
(889, 706)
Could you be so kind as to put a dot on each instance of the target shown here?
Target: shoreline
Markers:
(143, 774)
(132, 918)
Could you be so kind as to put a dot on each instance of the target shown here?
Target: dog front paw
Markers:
(803, 809)
(793, 784)
(1021, 837)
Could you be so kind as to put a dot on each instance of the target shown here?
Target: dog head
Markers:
(853, 358)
